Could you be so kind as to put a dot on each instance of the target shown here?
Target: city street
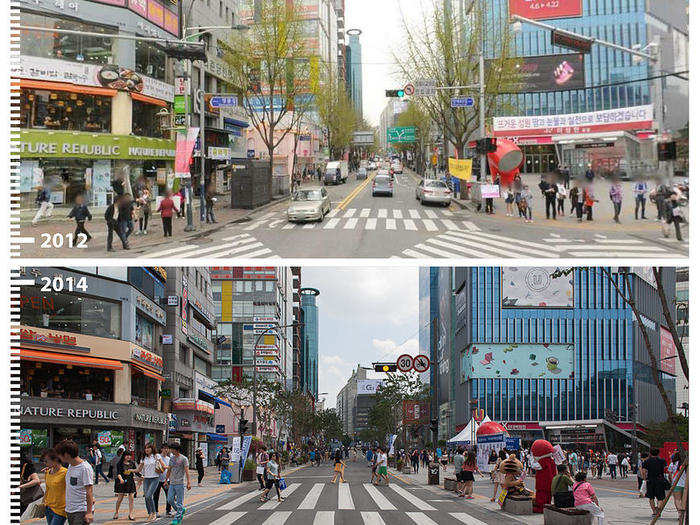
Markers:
(362, 226)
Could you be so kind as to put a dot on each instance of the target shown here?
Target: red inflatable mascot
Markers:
(541, 451)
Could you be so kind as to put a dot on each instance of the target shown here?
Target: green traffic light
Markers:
(400, 93)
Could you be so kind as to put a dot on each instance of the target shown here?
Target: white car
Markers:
(309, 204)
(396, 167)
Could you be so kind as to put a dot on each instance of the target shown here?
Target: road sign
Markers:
(462, 102)
(425, 87)
(223, 102)
(409, 89)
(571, 41)
(404, 363)
(401, 134)
(421, 363)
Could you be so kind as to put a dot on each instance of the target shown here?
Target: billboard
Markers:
(667, 352)
(542, 9)
(534, 287)
(415, 411)
(368, 386)
(518, 361)
(547, 73)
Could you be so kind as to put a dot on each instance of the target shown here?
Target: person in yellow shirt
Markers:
(55, 494)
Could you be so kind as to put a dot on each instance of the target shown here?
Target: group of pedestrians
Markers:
(378, 462)
(269, 473)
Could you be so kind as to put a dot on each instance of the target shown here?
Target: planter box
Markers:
(248, 475)
(518, 506)
(565, 516)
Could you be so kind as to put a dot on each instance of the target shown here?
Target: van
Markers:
(336, 172)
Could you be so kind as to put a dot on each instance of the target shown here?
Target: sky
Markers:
(365, 315)
(380, 22)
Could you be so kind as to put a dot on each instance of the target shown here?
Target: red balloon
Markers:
(506, 161)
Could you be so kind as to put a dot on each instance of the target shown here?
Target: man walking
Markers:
(79, 481)
(549, 190)
(640, 198)
(99, 462)
(178, 472)
(612, 465)
(43, 200)
(616, 198)
(459, 461)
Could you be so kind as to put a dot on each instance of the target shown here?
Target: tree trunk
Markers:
(669, 321)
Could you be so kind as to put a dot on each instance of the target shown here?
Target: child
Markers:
(527, 203)
(80, 213)
(338, 468)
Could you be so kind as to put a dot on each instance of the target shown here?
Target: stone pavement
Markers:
(618, 498)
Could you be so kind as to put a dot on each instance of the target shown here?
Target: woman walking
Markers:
(496, 476)
(338, 468)
(468, 468)
(166, 207)
(585, 498)
(674, 468)
(30, 484)
(261, 461)
(150, 467)
(272, 471)
(124, 484)
(199, 463)
(55, 495)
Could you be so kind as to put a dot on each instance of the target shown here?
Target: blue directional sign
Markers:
(462, 102)
(223, 102)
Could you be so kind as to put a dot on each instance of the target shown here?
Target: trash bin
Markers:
(434, 474)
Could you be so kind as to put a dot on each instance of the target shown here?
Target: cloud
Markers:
(390, 350)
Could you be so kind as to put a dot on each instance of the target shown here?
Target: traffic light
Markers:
(434, 424)
(242, 427)
(394, 93)
(385, 367)
(487, 145)
(186, 50)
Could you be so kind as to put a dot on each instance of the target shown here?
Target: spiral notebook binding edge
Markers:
(16, 281)
(14, 183)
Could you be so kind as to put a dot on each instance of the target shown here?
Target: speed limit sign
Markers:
(421, 363)
(404, 363)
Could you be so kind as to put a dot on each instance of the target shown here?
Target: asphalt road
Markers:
(311, 499)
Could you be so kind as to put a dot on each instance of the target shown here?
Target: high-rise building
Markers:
(354, 401)
(353, 59)
(298, 341)
(309, 356)
(682, 326)
(545, 355)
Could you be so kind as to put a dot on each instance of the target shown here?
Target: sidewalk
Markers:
(618, 498)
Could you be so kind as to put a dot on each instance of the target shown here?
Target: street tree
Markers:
(415, 116)
(444, 46)
(336, 112)
(271, 66)
(238, 393)
(387, 413)
(294, 414)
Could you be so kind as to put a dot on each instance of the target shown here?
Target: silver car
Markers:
(361, 173)
(309, 204)
(382, 184)
(434, 191)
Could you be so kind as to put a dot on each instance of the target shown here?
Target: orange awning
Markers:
(65, 86)
(69, 359)
(149, 100)
(145, 371)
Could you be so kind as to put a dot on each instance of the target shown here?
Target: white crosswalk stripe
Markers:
(431, 214)
(334, 212)
(324, 517)
(350, 225)
(420, 519)
(229, 518)
(430, 225)
(411, 498)
(414, 214)
(344, 497)
(278, 518)
(312, 497)
(408, 224)
(371, 224)
(391, 224)
(470, 226)
(309, 226)
(365, 212)
(332, 223)
(242, 245)
(239, 501)
(398, 214)
(273, 503)
(466, 518)
(382, 213)
(371, 518)
(449, 224)
(380, 499)
(350, 212)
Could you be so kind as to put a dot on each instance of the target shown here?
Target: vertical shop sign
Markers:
(183, 305)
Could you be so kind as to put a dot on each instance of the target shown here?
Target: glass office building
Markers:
(309, 357)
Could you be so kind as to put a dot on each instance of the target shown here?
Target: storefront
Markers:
(193, 420)
(205, 390)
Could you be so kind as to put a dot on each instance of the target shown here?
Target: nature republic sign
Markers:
(401, 134)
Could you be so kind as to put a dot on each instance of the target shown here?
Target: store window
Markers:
(200, 365)
(150, 60)
(65, 381)
(77, 47)
(143, 280)
(145, 122)
(64, 110)
(69, 312)
(144, 332)
(144, 390)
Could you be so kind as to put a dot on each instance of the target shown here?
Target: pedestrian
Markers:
(124, 484)
(624, 465)
(261, 461)
(468, 468)
(616, 198)
(573, 198)
(589, 200)
(125, 216)
(273, 476)
(144, 206)
(640, 198)
(181, 197)
(338, 468)
(30, 484)
(199, 463)
(509, 198)
(99, 462)
(55, 495)
(415, 460)
(150, 467)
(225, 458)
(111, 214)
(549, 190)
(657, 484)
(590, 174)
(657, 197)
(567, 176)
(561, 197)
(80, 213)
(113, 462)
(674, 471)
(79, 481)
(612, 465)
(210, 201)
(166, 207)
(671, 213)
(640, 474)
(178, 473)
(496, 476)
(527, 198)
(43, 201)
(382, 464)
(561, 488)
(585, 498)
(162, 482)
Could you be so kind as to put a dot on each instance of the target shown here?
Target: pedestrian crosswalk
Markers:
(395, 219)
(331, 504)
(474, 243)
(242, 246)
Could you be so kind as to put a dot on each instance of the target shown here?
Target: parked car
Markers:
(434, 191)
(361, 173)
(309, 204)
(382, 184)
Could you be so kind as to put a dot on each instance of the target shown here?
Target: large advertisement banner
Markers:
(548, 73)
(368, 386)
(544, 9)
(534, 287)
(518, 361)
(667, 352)
(636, 117)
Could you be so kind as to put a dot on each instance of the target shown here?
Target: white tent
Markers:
(467, 433)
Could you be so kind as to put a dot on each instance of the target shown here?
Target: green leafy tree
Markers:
(336, 112)
(659, 433)
(415, 116)
(387, 413)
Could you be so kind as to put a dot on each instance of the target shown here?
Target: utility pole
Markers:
(482, 91)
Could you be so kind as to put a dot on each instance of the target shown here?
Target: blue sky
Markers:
(365, 314)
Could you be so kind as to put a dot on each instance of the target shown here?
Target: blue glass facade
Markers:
(309, 358)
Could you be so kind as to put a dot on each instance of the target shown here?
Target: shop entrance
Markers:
(539, 159)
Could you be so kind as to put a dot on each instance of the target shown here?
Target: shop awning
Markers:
(149, 100)
(216, 437)
(145, 371)
(215, 399)
(65, 86)
(69, 359)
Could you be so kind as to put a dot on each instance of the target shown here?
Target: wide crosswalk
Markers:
(423, 219)
(326, 504)
(241, 246)
(454, 244)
